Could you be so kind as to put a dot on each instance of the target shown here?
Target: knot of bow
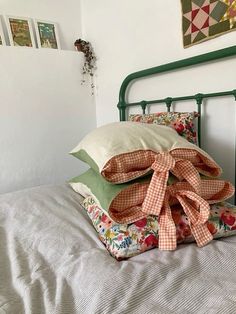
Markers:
(164, 164)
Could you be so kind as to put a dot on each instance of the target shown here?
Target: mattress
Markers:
(51, 261)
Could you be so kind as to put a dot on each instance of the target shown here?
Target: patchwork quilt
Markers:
(205, 19)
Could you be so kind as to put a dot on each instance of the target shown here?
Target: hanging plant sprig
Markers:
(89, 65)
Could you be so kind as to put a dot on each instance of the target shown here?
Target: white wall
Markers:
(44, 110)
(133, 35)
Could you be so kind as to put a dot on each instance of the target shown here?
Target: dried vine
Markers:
(89, 65)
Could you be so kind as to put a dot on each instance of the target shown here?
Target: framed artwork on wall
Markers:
(2, 37)
(20, 31)
(47, 34)
(207, 19)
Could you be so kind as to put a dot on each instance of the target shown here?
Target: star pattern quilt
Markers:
(206, 19)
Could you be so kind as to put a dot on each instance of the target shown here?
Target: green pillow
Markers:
(93, 184)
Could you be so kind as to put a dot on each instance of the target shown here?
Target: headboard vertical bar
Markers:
(168, 102)
(199, 99)
(199, 127)
(234, 93)
(143, 105)
(122, 111)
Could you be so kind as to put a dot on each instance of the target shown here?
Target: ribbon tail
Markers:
(186, 169)
(153, 201)
(197, 220)
(167, 229)
(201, 234)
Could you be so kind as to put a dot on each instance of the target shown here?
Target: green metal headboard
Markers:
(199, 97)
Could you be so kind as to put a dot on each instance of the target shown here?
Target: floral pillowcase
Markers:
(183, 122)
(126, 240)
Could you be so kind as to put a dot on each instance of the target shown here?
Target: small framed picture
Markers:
(2, 37)
(47, 34)
(20, 31)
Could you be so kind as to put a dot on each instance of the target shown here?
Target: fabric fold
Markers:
(123, 202)
(196, 209)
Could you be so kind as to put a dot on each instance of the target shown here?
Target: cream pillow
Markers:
(123, 151)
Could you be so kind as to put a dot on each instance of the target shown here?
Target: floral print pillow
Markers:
(127, 240)
(182, 122)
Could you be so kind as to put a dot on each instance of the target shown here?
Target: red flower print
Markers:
(228, 219)
(137, 118)
(186, 232)
(96, 214)
(120, 237)
(103, 218)
(151, 240)
(189, 126)
(106, 220)
(141, 223)
(91, 208)
(149, 120)
(178, 127)
(211, 227)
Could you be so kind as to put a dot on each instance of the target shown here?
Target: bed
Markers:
(52, 261)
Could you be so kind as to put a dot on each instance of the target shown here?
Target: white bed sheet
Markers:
(51, 261)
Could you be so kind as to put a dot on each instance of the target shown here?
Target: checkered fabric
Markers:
(129, 166)
(155, 197)
(197, 210)
(164, 163)
(127, 207)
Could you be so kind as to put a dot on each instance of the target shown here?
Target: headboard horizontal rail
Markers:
(180, 98)
(207, 57)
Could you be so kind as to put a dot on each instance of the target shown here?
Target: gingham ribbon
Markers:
(197, 210)
(163, 164)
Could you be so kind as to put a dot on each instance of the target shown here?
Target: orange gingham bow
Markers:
(181, 168)
(157, 200)
(197, 211)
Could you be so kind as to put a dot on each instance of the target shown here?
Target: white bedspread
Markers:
(51, 261)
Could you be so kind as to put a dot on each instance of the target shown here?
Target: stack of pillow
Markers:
(147, 187)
